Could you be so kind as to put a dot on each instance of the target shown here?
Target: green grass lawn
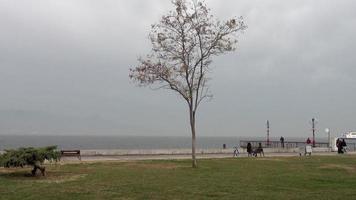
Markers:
(329, 177)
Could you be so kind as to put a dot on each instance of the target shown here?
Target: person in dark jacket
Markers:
(343, 146)
(282, 141)
(339, 146)
(249, 149)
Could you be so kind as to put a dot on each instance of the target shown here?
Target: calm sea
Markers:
(119, 142)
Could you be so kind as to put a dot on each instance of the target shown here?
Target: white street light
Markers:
(327, 130)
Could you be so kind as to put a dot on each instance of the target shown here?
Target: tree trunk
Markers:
(192, 126)
(41, 168)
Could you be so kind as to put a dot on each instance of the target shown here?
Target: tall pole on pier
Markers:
(313, 129)
(267, 132)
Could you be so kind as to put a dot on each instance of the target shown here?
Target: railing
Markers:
(351, 147)
(278, 144)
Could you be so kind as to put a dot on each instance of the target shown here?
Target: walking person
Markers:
(236, 151)
(260, 150)
(282, 141)
(249, 149)
(339, 146)
(343, 146)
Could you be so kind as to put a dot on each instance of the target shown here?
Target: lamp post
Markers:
(327, 130)
(268, 133)
(313, 129)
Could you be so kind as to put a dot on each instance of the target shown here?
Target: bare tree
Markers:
(183, 45)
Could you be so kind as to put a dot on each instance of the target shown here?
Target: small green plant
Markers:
(30, 157)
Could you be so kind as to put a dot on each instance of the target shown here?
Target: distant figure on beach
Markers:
(308, 141)
(282, 141)
(249, 149)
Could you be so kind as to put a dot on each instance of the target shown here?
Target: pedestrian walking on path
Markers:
(249, 149)
(236, 151)
(282, 141)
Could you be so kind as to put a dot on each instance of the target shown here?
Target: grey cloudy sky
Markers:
(64, 69)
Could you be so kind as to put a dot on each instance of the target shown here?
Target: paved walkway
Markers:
(179, 157)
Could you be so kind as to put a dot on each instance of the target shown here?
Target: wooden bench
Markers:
(72, 153)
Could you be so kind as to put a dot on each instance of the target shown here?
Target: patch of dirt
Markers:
(14, 171)
(52, 176)
(9, 170)
(350, 169)
(62, 179)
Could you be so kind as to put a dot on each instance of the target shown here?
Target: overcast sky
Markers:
(64, 69)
